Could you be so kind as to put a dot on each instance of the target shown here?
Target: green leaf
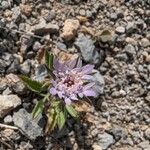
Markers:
(106, 36)
(32, 84)
(71, 111)
(61, 119)
(49, 60)
(38, 109)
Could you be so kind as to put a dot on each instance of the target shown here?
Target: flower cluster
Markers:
(72, 81)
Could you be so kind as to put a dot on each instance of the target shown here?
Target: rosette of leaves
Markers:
(68, 83)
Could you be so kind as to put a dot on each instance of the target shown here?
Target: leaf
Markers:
(32, 84)
(38, 109)
(71, 111)
(61, 119)
(49, 60)
(106, 36)
(52, 120)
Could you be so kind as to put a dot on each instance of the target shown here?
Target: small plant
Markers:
(68, 83)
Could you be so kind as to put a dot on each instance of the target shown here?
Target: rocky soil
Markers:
(112, 34)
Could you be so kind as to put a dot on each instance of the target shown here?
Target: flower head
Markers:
(72, 81)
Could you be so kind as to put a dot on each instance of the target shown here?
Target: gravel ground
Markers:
(113, 35)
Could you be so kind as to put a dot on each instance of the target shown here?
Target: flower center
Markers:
(69, 81)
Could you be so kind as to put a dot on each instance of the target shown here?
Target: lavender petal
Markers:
(90, 92)
(87, 69)
(67, 101)
(53, 91)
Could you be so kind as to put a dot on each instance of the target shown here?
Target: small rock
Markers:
(130, 50)
(25, 67)
(61, 46)
(144, 145)
(32, 127)
(113, 16)
(45, 28)
(99, 83)
(88, 51)
(5, 5)
(105, 140)
(40, 73)
(82, 12)
(8, 119)
(145, 42)
(147, 134)
(8, 103)
(16, 14)
(37, 45)
(96, 147)
(130, 27)
(70, 29)
(7, 91)
(26, 43)
(120, 30)
(26, 10)
(50, 16)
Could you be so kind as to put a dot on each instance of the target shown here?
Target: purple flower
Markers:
(72, 81)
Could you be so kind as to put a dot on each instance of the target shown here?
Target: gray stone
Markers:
(32, 127)
(122, 57)
(3, 85)
(130, 27)
(117, 132)
(130, 50)
(25, 67)
(16, 14)
(82, 12)
(8, 119)
(37, 45)
(147, 133)
(26, 43)
(99, 83)
(88, 51)
(89, 14)
(145, 42)
(105, 140)
(120, 30)
(113, 16)
(7, 91)
(5, 5)
(8, 103)
(40, 73)
(145, 145)
(61, 46)
(45, 28)
(51, 15)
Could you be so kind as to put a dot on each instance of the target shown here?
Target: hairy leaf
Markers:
(71, 111)
(61, 119)
(49, 60)
(52, 120)
(38, 109)
(32, 84)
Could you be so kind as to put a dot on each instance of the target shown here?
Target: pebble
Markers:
(8, 119)
(70, 29)
(105, 140)
(87, 48)
(32, 127)
(5, 5)
(147, 134)
(45, 28)
(8, 103)
(145, 42)
(25, 67)
(120, 30)
(113, 16)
